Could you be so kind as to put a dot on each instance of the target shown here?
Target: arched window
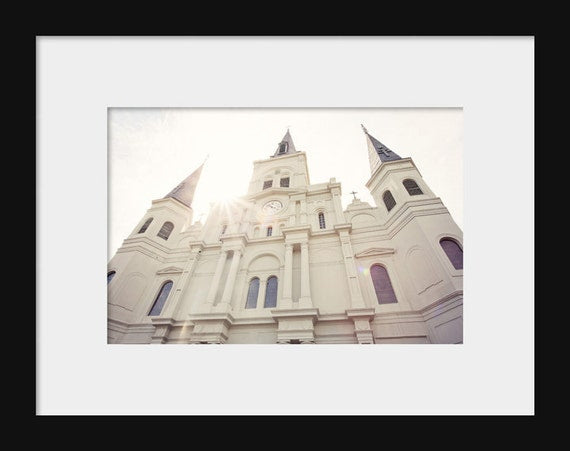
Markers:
(453, 252)
(161, 299)
(110, 276)
(382, 285)
(412, 187)
(252, 293)
(271, 293)
(389, 200)
(145, 225)
(322, 224)
(269, 231)
(166, 230)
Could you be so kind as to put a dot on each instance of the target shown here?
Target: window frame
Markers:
(272, 276)
(269, 231)
(256, 295)
(385, 268)
(288, 182)
(388, 192)
(266, 182)
(323, 225)
(145, 226)
(169, 232)
(413, 188)
(447, 259)
(158, 293)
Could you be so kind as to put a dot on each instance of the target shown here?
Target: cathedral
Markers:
(286, 263)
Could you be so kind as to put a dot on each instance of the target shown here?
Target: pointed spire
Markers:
(184, 191)
(286, 146)
(378, 150)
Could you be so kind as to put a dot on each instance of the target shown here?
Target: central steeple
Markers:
(378, 152)
(286, 146)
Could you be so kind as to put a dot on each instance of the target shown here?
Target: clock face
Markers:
(272, 207)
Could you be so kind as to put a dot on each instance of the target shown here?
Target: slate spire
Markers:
(377, 150)
(184, 191)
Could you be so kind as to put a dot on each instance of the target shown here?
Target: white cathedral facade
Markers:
(285, 263)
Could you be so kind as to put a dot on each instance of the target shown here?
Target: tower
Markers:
(139, 270)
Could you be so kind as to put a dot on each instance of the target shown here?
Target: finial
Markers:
(354, 193)
(364, 129)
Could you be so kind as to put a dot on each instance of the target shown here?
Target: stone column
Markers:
(261, 292)
(305, 299)
(211, 297)
(287, 301)
(338, 206)
(174, 305)
(303, 215)
(356, 299)
(229, 288)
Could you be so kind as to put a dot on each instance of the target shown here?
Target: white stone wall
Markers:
(341, 306)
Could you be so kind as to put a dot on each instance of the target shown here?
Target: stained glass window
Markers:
(271, 293)
(382, 285)
(389, 200)
(412, 187)
(252, 293)
(161, 299)
(166, 230)
(453, 252)
(145, 225)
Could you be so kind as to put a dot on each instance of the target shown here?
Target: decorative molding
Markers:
(170, 270)
(375, 251)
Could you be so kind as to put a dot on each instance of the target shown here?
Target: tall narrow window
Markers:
(252, 293)
(145, 225)
(453, 252)
(110, 276)
(165, 230)
(267, 184)
(224, 228)
(283, 147)
(271, 293)
(322, 224)
(389, 200)
(269, 231)
(412, 187)
(161, 299)
(382, 285)
(284, 182)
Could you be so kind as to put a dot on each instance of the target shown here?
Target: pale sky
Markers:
(151, 150)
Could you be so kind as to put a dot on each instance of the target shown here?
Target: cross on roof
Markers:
(354, 194)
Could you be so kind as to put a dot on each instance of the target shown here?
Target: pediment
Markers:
(375, 251)
(170, 270)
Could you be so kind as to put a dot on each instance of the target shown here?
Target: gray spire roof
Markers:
(383, 152)
(184, 191)
(286, 146)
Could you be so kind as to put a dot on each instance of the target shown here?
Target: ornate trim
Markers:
(170, 270)
(374, 251)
